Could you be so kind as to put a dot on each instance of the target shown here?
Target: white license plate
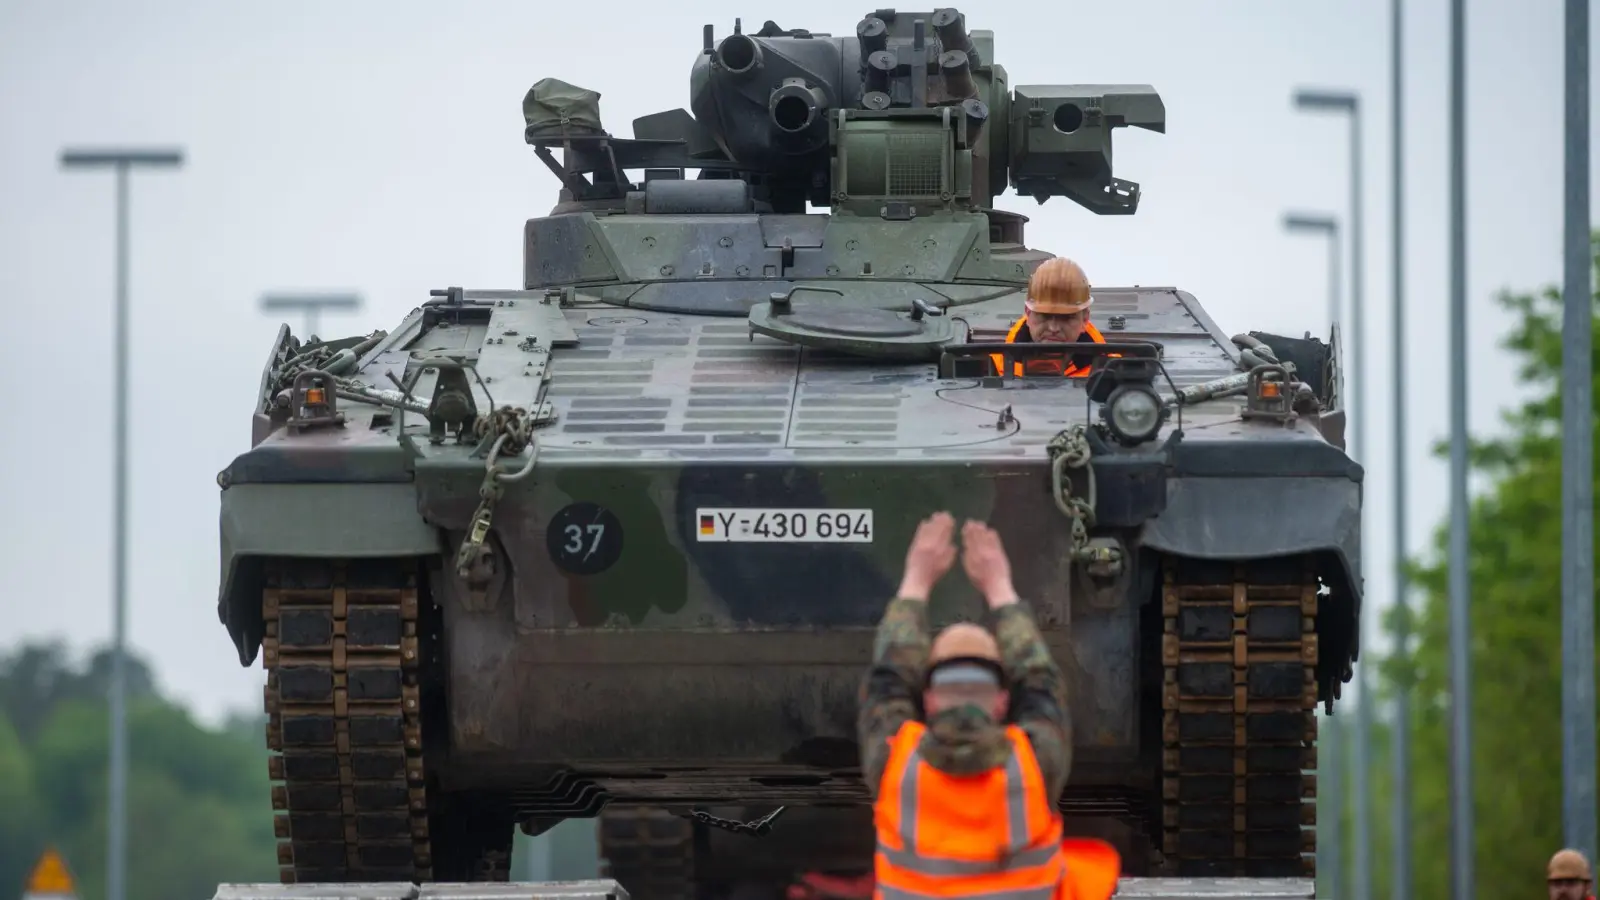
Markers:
(784, 526)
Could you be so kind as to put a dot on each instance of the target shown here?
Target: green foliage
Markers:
(1515, 536)
(19, 801)
(35, 678)
(199, 809)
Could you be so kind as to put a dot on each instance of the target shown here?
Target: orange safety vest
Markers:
(1093, 869)
(939, 836)
(995, 834)
(1069, 370)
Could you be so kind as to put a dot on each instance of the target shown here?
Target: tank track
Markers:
(650, 852)
(344, 712)
(1239, 695)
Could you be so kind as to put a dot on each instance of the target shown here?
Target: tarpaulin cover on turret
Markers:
(554, 108)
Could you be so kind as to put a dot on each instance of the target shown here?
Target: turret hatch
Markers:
(815, 317)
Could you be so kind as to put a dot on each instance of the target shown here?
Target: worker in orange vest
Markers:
(1055, 311)
(966, 791)
(1567, 876)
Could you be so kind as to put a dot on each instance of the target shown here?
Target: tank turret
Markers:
(910, 115)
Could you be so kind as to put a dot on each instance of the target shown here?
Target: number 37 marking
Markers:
(576, 534)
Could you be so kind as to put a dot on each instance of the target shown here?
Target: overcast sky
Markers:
(377, 145)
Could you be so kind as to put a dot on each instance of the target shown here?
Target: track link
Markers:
(344, 719)
(649, 851)
(1239, 657)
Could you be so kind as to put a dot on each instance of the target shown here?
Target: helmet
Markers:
(1568, 865)
(964, 640)
(1058, 287)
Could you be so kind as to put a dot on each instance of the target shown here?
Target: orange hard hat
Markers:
(1058, 287)
(1567, 865)
(963, 640)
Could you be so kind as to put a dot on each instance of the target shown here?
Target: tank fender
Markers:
(1242, 518)
(308, 520)
(1256, 518)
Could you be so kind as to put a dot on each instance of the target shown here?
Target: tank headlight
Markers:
(1134, 413)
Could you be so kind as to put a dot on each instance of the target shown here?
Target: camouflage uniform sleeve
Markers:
(889, 693)
(1038, 692)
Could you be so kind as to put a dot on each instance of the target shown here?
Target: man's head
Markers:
(1568, 876)
(964, 670)
(1058, 301)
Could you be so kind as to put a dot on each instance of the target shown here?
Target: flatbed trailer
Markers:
(609, 889)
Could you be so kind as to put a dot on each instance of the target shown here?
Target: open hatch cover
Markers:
(816, 317)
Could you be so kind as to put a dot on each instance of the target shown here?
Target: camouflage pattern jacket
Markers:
(891, 694)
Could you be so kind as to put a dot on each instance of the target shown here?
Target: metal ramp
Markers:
(595, 889)
(1217, 888)
(607, 889)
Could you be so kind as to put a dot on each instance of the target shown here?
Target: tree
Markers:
(36, 677)
(1516, 648)
(19, 804)
(199, 804)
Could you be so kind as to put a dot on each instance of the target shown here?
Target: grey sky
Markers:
(377, 145)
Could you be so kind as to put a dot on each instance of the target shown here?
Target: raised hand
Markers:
(986, 563)
(931, 555)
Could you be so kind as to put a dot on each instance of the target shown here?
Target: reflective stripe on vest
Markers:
(1012, 835)
(1069, 370)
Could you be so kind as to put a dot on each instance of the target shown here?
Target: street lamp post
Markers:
(1462, 829)
(1349, 104)
(1400, 741)
(1330, 750)
(311, 305)
(1577, 454)
(1331, 768)
(122, 161)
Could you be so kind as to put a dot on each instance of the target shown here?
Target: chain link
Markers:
(512, 430)
(1070, 450)
(511, 421)
(754, 828)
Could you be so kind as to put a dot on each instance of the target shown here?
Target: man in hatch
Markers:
(966, 787)
(1056, 311)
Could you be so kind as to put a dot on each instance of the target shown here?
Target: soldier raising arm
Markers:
(964, 714)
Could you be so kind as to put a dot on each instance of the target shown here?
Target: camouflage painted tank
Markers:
(618, 540)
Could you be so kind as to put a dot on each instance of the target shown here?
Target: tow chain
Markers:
(1069, 449)
(511, 421)
(511, 430)
(754, 828)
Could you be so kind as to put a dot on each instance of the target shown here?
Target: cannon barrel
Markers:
(796, 109)
(738, 55)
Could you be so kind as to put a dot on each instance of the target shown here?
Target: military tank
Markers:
(614, 544)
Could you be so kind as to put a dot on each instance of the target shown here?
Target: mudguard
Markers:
(308, 520)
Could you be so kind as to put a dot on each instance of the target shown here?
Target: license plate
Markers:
(785, 526)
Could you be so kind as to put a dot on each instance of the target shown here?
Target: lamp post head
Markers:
(115, 157)
(311, 301)
(1310, 222)
(1319, 100)
(312, 305)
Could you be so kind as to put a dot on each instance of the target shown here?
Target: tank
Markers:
(614, 544)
